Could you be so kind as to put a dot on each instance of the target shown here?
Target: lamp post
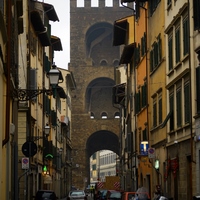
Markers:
(29, 147)
(28, 94)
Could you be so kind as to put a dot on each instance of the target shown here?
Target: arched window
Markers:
(116, 63)
(91, 115)
(117, 115)
(104, 115)
(103, 63)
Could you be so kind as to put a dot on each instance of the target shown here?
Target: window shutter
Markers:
(154, 114)
(196, 16)
(170, 54)
(151, 60)
(185, 37)
(187, 103)
(171, 104)
(198, 88)
(155, 54)
(160, 110)
(177, 39)
(159, 49)
(144, 95)
(33, 81)
(53, 118)
(178, 106)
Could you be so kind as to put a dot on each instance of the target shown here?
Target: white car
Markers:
(77, 195)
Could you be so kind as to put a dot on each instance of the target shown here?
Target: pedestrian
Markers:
(91, 190)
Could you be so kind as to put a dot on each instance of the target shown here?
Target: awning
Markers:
(120, 32)
(50, 12)
(71, 81)
(127, 54)
(56, 43)
(61, 92)
(44, 38)
(170, 114)
(47, 179)
(119, 94)
(37, 22)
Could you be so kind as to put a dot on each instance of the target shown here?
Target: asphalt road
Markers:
(89, 198)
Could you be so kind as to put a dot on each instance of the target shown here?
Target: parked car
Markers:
(113, 195)
(45, 195)
(102, 194)
(77, 195)
(135, 195)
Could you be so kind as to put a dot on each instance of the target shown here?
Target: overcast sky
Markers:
(61, 29)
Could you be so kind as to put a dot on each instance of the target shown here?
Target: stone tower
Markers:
(93, 58)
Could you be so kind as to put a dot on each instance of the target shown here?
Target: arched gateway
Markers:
(94, 125)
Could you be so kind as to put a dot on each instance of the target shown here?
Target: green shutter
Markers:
(187, 103)
(178, 107)
(160, 111)
(185, 37)
(155, 114)
(151, 60)
(177, 39)
(159, 49)
(170, 54)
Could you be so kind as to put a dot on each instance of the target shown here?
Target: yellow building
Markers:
(157, 94)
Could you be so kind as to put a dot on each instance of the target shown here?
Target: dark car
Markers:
(45, 195)
(102, 194)
(113, 195)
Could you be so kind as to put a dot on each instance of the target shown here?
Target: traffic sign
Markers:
(25, 163)
(29, 149)
(151, 153)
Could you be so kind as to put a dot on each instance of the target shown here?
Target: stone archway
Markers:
(102, 140)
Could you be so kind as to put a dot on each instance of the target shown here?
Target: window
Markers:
(117, 115)
(94, 156)
(187, 102)
(144, 95)
(143, 45)
(153, 5)
(154, 113)
(170, 53)
(198, 88)
(177, 45)
(91, 115)
(136, 55)
(156, 54)
(178, 107)
(144, 135)
(103, 63)
(160, 110)
(137, 102)
(171, 107)
(185, 36)
(196, 16)
(94, 167)
(104, 115)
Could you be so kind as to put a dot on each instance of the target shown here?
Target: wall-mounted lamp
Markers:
(28, 94)
(47, 129)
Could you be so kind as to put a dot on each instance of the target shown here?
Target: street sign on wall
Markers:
(25, 163)
(151, 153)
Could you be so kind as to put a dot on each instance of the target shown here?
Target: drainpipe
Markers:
(191, 133)
(8, 64)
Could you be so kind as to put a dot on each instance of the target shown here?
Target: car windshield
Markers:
(77, 193)
(115, 195)
(44, 194)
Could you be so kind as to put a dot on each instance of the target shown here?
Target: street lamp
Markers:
(28, 94)
(47, 130)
